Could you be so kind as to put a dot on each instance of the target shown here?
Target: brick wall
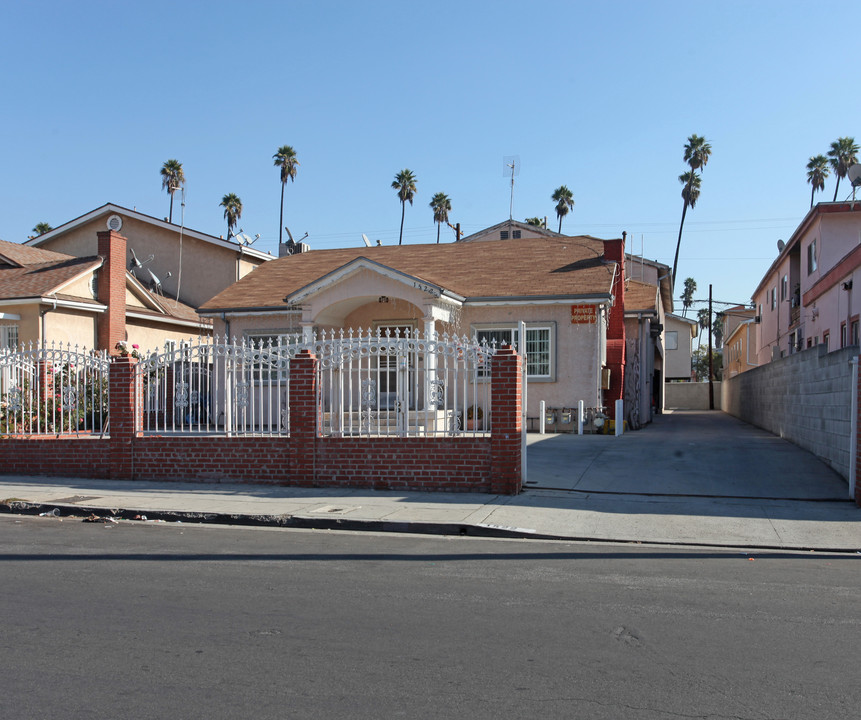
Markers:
(468, 464)
(111, 326)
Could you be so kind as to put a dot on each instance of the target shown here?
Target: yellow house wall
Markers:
(80, 288)
(152, 336)
(71, 326)
(29, 328)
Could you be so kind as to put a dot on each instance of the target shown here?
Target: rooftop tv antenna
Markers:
(511, 167)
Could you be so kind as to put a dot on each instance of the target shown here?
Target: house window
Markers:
(672, 338)
(515, 234)
(811, 257)
(773, 298)
(539, 347)
(842, 335)
(8, 337)
(784, 288)
(503, 234)
(826, 340)
(853, 332)
(262, 369)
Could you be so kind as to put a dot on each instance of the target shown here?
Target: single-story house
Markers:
(567, 291)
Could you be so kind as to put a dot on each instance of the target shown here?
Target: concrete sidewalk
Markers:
(749, 523)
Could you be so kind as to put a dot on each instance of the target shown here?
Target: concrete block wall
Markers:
(804, 398)
(690, 396)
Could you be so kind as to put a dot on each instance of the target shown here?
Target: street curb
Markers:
(302, 522)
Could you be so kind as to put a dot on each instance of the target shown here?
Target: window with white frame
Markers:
(773, 298)
(811, 257)
(672, 339)
(540, 340)
(8, 337)
(784, 288)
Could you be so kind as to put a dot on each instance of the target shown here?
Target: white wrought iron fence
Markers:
(53, 390)
(238, 387)
(396, 382)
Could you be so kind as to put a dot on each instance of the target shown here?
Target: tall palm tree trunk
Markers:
(835, 189)
(170, 214)
(281, 217)
(813, 190)
(403, 210)
(437, 233)
(560, 225)
(678, 245)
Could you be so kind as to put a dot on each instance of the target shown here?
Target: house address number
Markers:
(426, 288)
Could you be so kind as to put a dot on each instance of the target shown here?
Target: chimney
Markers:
(111, 326)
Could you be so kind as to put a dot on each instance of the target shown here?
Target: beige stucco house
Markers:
(169, 259)
(564, 289)
(50, 297)
(807, 296)
(679, 333)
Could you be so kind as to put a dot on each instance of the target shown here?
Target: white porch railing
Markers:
(227, 388)
(399, 383)
(53, 390)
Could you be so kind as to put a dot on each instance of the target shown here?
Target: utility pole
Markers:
(711, 369)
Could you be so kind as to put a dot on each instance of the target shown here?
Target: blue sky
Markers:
(597, 96)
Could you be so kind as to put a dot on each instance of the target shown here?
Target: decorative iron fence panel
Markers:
(227, 388)
(53, 390)
(399, 383)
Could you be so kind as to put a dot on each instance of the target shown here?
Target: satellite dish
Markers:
(366, 241)
(780, 245)
(115, 223)
(854, 175)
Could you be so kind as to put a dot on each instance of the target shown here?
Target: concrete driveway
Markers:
(683, 453)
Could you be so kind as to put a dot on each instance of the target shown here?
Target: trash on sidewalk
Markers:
(99, 519)
(140, 517)
(52, 513)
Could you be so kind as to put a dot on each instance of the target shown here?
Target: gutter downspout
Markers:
(42, 314)
(853, 432)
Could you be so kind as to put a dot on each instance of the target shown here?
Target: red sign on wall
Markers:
(584, 314)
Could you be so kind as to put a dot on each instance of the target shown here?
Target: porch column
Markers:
(430, 365)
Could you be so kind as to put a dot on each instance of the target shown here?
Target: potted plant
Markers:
(474, 418)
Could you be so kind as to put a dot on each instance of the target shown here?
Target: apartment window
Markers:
(853, 331)
(539, 347)
(773, 298)
(826, 340)
(672, 339)
(8, 337)
(811, 257)
(784, 288)
(842, 335)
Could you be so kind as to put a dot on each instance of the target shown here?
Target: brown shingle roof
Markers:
(537, 267)
(172, 308)
(641, 297)
(16, 254)
(42, 279)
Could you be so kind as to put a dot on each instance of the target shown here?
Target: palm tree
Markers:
(405, 184)
(42, 228)
(843, 155)
(688, 295)
(441, 206)
(703, 320)
(696, 155)
(232, 211)
(817, 171)
(285, 159)
(537, 221)
(564, 200)
(172, 179)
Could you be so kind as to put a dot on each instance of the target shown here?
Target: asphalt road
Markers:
(159, 621)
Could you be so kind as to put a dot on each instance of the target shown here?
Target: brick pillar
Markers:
(614, 251)
(303, 417)
(112, 291)
(125, 416)
(506, 424)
